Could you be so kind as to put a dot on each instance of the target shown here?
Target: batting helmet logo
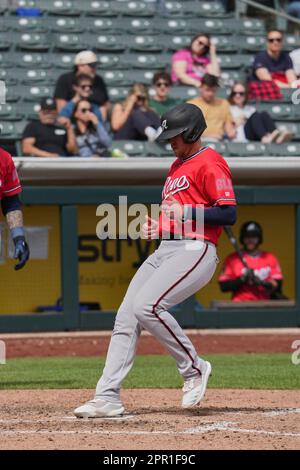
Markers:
(164, 124)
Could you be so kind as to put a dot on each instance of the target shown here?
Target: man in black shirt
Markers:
(85, 63)
(46, 138)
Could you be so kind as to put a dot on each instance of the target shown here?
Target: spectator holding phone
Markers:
(134, 119)
(92, 138)
(46, 137)
(191, 64)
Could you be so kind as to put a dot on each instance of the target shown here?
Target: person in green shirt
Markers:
(161, 102)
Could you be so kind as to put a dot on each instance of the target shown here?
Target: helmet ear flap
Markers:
(192, 135)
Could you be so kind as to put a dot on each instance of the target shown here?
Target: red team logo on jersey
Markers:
(204, 179)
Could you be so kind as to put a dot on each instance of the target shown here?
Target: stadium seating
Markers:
(132, 41)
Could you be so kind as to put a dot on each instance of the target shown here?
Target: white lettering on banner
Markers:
(174, 186)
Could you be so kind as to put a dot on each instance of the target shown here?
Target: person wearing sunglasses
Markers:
(85, 63)
(92, 138)
(161, 100)
(189, 65)
(251, 124)
(134, 119)
(274, 63)
(83, 90)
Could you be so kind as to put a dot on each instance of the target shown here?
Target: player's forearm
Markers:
(15, 223)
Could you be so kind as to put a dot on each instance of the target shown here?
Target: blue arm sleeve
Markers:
(219, 215)
(10, 203)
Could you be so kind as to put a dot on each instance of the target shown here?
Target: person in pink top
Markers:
(191, 64)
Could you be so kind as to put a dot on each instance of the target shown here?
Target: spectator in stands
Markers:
(191, 64)
(251, 124)
(85, 63)
(134, 119)
(83, 90)
(47, 138)
(263, 279)
(295, 56)
(91, 137)
(274, 63)
(216, 111)
(161, 101)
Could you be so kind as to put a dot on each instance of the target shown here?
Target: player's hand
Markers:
(172, 208)
(21, 252)
(150, 228)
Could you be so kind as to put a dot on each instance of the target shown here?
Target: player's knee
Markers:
(140, 308)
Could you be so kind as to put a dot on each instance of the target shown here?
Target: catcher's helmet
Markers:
(186, 119)
(251, 229)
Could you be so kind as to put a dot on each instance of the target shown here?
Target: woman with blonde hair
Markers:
(134, 119)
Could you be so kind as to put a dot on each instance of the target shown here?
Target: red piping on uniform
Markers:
(165, 293)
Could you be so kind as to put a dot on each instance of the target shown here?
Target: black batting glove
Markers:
(21, 252)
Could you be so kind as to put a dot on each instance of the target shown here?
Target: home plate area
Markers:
(227, 419)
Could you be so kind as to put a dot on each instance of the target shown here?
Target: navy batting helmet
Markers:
(251, 229)
(186, 119)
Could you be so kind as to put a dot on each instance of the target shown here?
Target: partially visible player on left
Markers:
(12, 207)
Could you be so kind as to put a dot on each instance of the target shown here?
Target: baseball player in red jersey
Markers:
(183, 263)
(263, 279)
(11, 207)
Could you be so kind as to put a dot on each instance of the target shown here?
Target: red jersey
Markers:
(265, 266)
(9, 180)
(203, 178)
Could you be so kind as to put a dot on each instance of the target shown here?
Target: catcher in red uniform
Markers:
(262, 280)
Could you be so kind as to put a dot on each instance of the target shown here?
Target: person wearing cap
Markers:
(45, 137)
(219, 120)
(85, 63)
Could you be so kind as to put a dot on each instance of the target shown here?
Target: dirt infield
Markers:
(227, 419)
(96, 344)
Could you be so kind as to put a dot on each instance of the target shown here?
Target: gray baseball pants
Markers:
(175, 271)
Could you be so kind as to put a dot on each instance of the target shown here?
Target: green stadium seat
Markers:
(13, 94)
(137, 25)
(32, 41)
(133, 8)
(31, 59)
(5, 42)
(291, 42)
(65, 24)
(202, 8)
(145, 61)
(151, 149)
(176, 42)
(36, 92)
(30, 110)
(107, 42)
(226, 44)
(252, 43)
(220, 147)
(117, 93)
(174, 8)
(133, 148)
(250, 26)
(70, 42)
(139, 76)
(38, 76)
(115, 77)
(27, 4)
(96, 8)
(102, 25)
(144, 43)
(290, 149)
(4, 26)
(278, 111)
(27, 24)
(291, 127)
(248, 149)
(10, 112)
(60, 7)
(235, 61)
(8, 131)
(8, 75)
(62, 61)
(287, 94)
(228, 77)
(108, 61)
(183, 93)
